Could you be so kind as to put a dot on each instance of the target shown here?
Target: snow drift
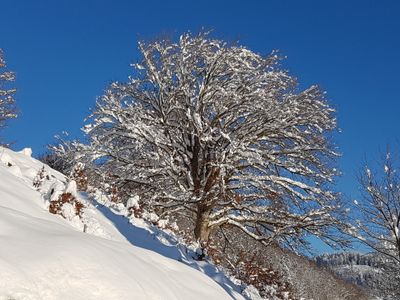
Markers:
(44, 256)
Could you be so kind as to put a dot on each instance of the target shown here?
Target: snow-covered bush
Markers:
(66, 205)
(40, 177)
(134, 207)
(79, 175)
(64, 200)
(251, 269)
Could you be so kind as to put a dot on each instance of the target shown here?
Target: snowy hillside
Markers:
(353, 267)
(364, 270)
(44, 256)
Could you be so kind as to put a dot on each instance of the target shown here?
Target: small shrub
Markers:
(40, 177)
(251, 270)
(56, 207)
(79, 175)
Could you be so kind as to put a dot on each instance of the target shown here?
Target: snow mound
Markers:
(5, 158)
(43, 256)
(15, 170)
(26, 151)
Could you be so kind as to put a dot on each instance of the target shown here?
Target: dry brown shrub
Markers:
(79, 175)
(55, 206)
(251, 270)
(40, 177)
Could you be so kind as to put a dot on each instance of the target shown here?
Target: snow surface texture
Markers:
(44, 256)
(166, 243)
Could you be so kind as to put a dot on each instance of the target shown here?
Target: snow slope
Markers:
(362, 269)
(43, 256)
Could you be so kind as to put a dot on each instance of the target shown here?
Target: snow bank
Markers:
(26, 151)
(43, 257)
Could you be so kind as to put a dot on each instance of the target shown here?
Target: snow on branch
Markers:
(223, 132)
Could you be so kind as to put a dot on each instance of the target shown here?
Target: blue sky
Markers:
(65, 53)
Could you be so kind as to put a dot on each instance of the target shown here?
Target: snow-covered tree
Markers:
(7, 101)
(222, 134)
(379, 222)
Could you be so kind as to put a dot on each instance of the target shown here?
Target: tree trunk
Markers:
(202, 230)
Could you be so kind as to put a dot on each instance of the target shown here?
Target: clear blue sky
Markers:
(65, 53)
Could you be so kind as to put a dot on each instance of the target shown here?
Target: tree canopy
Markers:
(222, 135)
